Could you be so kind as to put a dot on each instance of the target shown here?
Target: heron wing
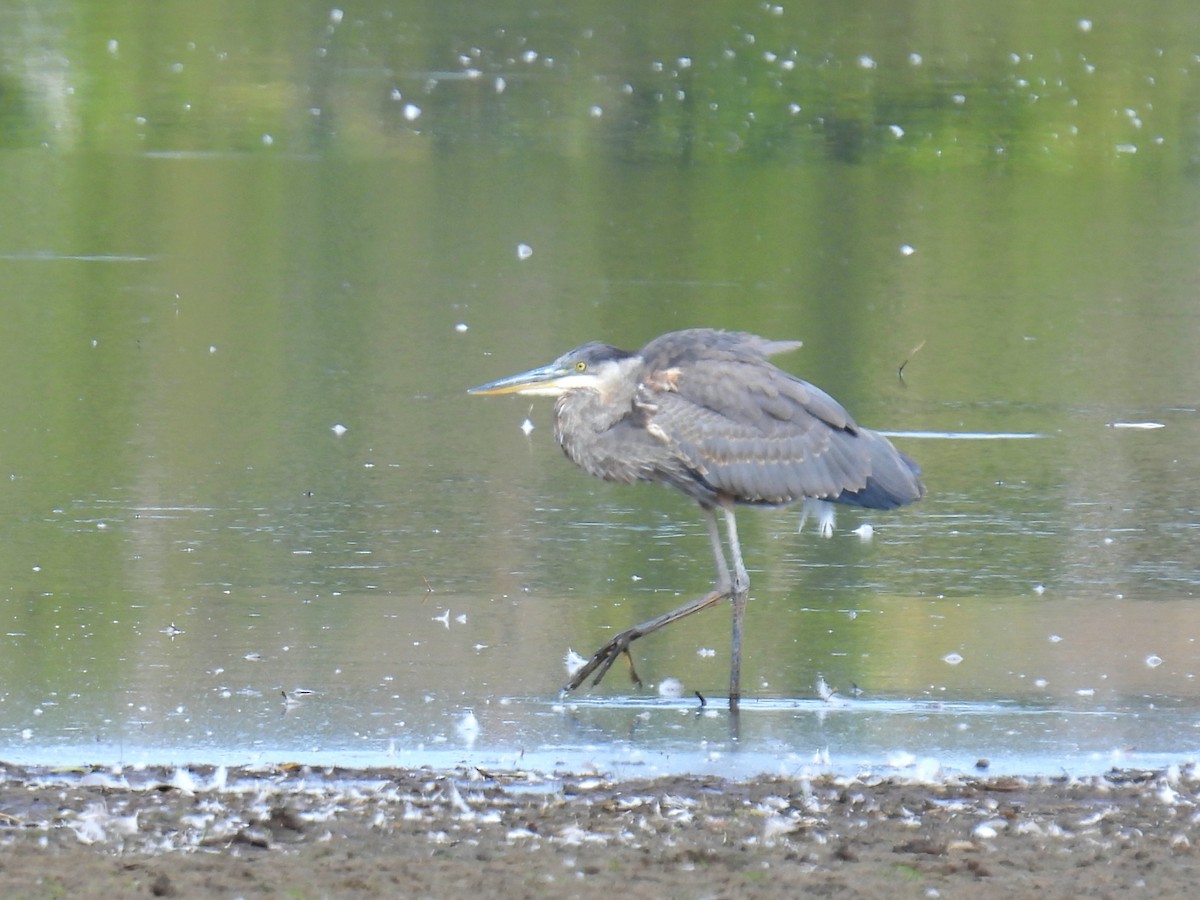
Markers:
(753, 432)
(682, 348)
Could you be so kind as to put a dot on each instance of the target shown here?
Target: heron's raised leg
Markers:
(603, 658)
(727, 586)
(741, 585)
(724, 583)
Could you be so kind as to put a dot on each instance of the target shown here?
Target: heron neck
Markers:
(589, 411)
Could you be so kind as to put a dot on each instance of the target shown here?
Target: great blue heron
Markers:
(705, 412)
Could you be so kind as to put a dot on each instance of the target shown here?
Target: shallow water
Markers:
(218, 246)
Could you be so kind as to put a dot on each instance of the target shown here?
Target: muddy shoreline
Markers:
(305, 832)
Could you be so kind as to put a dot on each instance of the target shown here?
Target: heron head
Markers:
(588, 367)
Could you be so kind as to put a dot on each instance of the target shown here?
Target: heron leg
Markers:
(603, 658)
(741, 578)
(735, 648)
(741, 585)
(734, 586)
(724, 582)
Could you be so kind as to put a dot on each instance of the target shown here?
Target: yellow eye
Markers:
(581, 366)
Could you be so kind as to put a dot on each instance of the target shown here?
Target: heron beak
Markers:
(546, 381)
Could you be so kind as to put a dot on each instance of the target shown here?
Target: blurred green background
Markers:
(227, 227)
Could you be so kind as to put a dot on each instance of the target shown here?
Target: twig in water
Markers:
(900, 371)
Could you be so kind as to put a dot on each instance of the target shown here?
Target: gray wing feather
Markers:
(755, 433)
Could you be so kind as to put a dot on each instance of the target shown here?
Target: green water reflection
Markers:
(226, 229)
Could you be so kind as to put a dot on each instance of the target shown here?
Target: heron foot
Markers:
(603, 659)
